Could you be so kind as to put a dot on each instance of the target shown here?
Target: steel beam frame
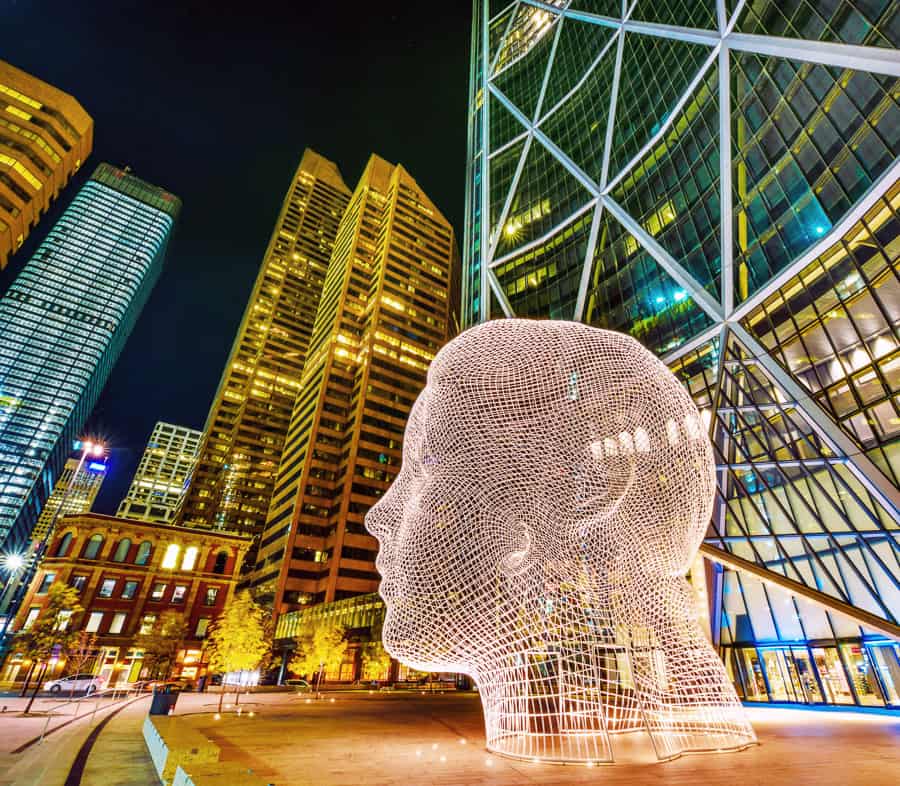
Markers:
(727, 314)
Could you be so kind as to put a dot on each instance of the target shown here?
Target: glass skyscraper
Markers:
(63, 323)
(384, 313)
(720, 180)
(233, 480)
(163, 474)
(75, 491)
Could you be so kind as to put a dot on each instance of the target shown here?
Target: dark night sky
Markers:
(216, 103)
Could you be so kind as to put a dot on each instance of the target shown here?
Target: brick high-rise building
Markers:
(384, 314)
(129, 574)
(233, 480)
(45, 136)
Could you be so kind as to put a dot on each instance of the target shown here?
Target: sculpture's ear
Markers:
(519, 557)
(606, 476)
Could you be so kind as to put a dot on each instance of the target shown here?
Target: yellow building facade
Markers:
(232, 482)
(45, 137)
(385, 312)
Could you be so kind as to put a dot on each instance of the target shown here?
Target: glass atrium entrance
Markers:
(865, 673)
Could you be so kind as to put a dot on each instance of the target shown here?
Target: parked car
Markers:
(75, 683)
(301, 686)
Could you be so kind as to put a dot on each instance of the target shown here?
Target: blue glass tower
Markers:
(63, 323)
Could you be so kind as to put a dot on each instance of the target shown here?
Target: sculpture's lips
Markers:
(387, 590)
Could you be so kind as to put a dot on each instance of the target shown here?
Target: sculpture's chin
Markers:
(413, 647)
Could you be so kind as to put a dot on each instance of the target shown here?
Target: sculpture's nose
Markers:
(382, 519)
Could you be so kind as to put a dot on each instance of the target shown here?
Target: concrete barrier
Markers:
(182, 756)
(171, 743)
(223, 773)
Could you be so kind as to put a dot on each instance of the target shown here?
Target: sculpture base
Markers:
(632, 747)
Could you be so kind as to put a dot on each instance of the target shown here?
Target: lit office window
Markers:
(62, 620)
(118, 622)
(32, 616)
(45, 583)
(190, 558)
(170, 560)
(147, 623)
(93, 623)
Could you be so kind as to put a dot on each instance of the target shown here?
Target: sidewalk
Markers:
(119, 754)
(48, 763)
(17, 729)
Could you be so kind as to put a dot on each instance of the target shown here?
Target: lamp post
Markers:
(36, 552)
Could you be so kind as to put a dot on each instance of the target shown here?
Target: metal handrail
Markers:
(94, 696)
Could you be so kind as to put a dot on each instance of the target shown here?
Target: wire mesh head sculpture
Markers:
(556, 485)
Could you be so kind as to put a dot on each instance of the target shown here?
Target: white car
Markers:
(75, 683)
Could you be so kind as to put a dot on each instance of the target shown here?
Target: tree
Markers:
(320, 649)
(82, 648)
(375, 660)
(50, 634)
(239, 640)
(161, 644)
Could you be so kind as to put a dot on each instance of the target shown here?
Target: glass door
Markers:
(887, 664)
(806, 676)
(754, 682)
(780, 687)
(834, 679)
(862, 673)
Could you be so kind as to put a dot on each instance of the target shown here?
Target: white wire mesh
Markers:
(556, 485)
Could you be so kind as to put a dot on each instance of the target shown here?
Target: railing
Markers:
(116, 695)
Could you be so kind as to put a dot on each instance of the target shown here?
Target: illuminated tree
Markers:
(375, 660)
(239, 640)
(81, 650)
(49, 635)
(320, 650)
(161, 644)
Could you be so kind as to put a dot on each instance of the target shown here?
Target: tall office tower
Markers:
(162, 474)
(719, 180)
(233, 480)
(74, 492)
(45, 135)
(63, 324)
(385, 312)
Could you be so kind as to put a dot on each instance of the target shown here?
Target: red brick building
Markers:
(129, 573)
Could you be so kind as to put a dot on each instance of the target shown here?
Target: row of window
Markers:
(129, 589)
(119, 618)
(142, 557)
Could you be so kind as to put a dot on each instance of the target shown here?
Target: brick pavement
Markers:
(412, 740)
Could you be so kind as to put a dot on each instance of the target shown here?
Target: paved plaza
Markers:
(414, 740)
(408, 739)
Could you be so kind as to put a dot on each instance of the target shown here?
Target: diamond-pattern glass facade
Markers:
(722, 184)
